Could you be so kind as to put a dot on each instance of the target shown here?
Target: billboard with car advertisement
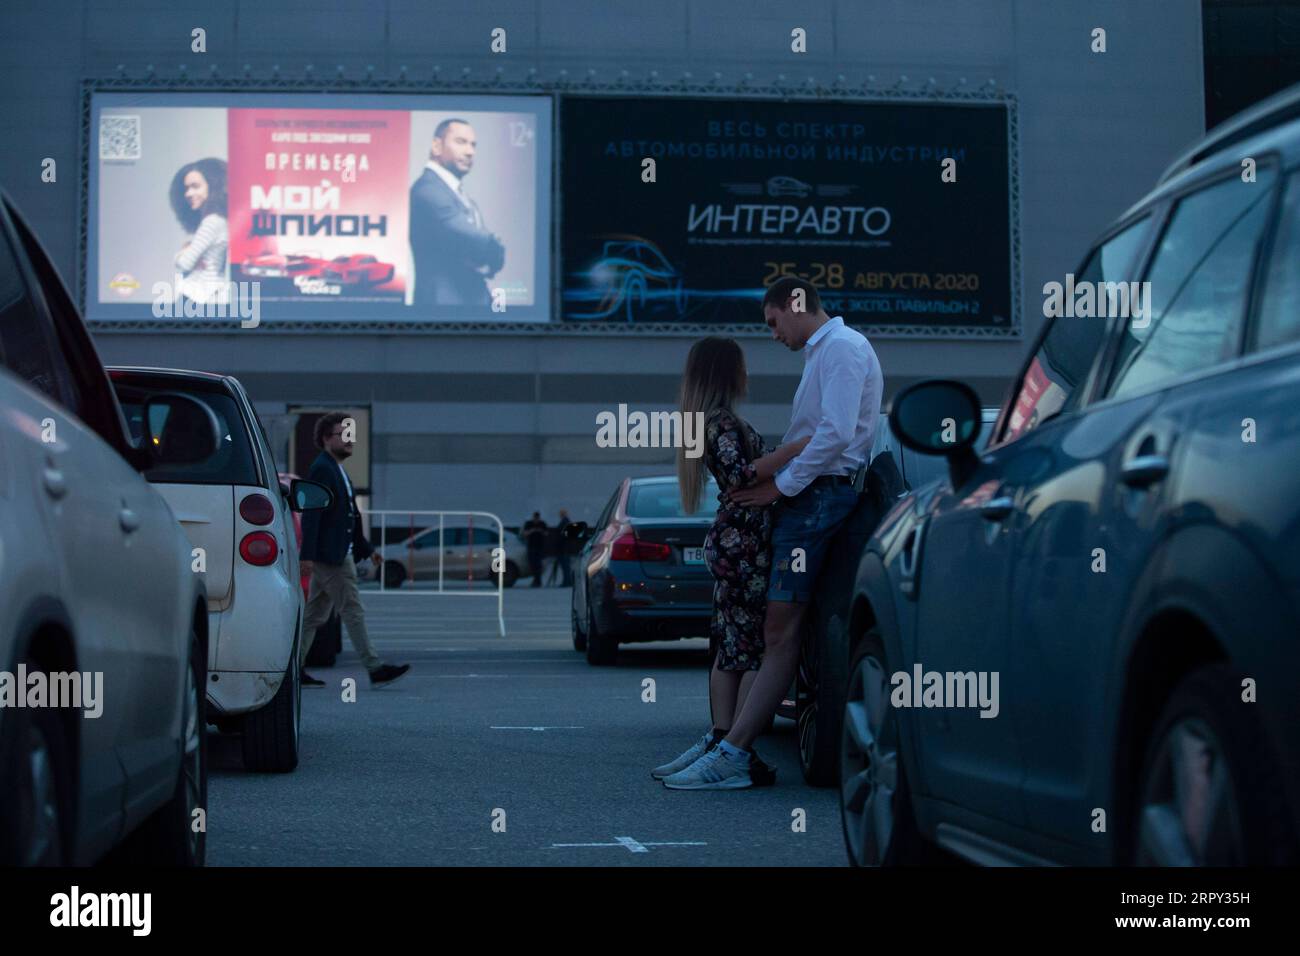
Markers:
(348, 207)
(854, 197)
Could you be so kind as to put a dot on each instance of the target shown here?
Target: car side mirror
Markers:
(940, 417)
(179, 430)
(577, 531)
(309, 496)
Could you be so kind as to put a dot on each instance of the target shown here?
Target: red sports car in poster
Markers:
(358, 270)
(275, 266)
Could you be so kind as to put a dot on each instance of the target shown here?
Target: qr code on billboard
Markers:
(119, 137)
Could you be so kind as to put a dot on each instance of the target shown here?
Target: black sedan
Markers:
(641, 572)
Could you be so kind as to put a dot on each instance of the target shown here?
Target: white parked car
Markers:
(457, 550)
(95, 581)
(235, 513)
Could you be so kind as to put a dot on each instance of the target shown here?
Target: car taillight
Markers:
(259, 548)
(628, 548)
(257, 509)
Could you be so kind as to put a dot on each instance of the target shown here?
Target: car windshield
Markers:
(233, 463)
(660, 499)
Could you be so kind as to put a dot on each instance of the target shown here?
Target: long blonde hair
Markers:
(714, 378)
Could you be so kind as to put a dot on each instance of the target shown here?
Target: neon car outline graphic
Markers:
(630, 272)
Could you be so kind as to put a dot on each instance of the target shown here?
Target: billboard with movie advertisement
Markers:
(683, 210)
(333, 207)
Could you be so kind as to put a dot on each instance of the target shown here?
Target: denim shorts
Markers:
(808, 521)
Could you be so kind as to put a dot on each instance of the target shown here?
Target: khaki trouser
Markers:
(334, 587)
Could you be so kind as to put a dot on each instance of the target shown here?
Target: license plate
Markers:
(692, 555)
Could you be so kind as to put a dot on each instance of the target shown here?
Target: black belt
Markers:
(833, 480)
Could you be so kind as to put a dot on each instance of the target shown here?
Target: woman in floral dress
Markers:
(737, 548)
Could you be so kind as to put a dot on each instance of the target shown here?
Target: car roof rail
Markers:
(1270, 113)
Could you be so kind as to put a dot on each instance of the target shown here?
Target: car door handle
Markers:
(907, 563)
(128, 519)
(1144, 470)
(996, 509)
(55, 485)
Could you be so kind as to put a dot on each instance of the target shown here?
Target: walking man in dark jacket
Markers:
(331, 540)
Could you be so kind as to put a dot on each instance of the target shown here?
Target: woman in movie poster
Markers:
(198, 197)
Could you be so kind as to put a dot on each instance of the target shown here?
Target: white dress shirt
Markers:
(838, 404)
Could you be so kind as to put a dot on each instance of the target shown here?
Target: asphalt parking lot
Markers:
(519, 731)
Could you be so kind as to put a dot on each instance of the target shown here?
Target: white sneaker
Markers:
(685, 760)
(713, 771)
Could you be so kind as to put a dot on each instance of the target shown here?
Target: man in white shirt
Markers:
(838, 405)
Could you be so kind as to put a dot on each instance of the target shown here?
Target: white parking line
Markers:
(479, 676)
(464, 676)
(556, 727)
(632, 845)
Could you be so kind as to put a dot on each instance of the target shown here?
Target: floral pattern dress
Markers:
(737, 549)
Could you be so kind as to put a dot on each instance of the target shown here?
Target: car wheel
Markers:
(394, 574)
(510, 575)
(171, 836)
(35, 805)
(271, 732)
(579, 635)
(818, 710)
(875, 804)
(602, 648)
(1210, 793)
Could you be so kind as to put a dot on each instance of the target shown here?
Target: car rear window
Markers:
(661, 499)
(233, 463)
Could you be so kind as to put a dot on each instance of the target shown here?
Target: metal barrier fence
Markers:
(392, 555)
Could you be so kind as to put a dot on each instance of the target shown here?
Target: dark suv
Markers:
(1083, 646)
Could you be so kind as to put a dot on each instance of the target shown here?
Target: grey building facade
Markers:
(506, 423)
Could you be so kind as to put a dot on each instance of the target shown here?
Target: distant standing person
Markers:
(553, 548)
(534, 535)
(330, 540)
(565, 557)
